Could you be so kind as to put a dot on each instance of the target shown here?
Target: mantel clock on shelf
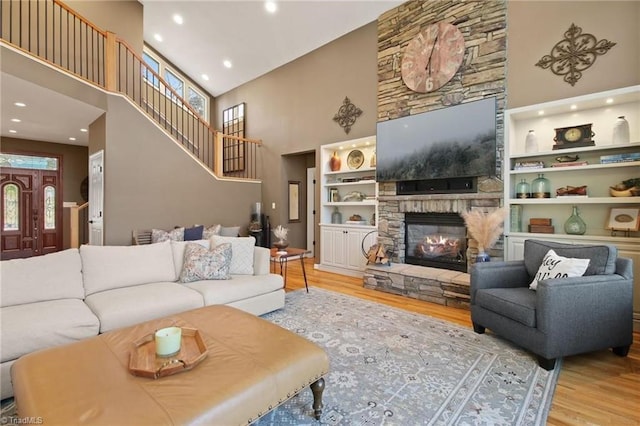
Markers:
(574, 136)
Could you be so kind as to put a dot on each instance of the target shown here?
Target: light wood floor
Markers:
(594, 389)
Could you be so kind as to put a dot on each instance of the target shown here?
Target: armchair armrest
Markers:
(509, 274)
(567, 306)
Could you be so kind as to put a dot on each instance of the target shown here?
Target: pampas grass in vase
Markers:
(484, 227)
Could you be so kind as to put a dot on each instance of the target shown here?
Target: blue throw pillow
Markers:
(193, 234)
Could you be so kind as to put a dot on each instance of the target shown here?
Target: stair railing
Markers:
(52, 31)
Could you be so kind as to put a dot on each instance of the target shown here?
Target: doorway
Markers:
(31, 205)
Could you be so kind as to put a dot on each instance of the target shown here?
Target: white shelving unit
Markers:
(341, 243)
(600, 109)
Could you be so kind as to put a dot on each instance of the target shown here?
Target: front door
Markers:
(31, 204)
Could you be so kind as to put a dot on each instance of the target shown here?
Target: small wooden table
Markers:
(283, 258)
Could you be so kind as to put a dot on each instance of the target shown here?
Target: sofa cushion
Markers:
(41, 278)
(35, 326)
(554, 266)
(238, 288)
(210, 231)
(242, 253)
(519, 304)
(602, 258)
(204, 264)
(109, 267)
(177, 248)
(194, 233)
(131, 305)
(160, 235)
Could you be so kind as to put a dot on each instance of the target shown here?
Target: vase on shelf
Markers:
(621, 131)
(336, 216)
(575, 225)
(515, 218)
(541, 187)
(523, 190)
(531, 142)
(281, 245)
(335, 162)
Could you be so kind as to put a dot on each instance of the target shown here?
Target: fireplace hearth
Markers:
(436, 239)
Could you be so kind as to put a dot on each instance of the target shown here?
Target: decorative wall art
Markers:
(574, 54)
(294, 201)
(347, 115)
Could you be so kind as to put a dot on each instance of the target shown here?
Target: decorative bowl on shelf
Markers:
(621, 192)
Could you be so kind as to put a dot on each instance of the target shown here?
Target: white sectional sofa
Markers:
(67, 296)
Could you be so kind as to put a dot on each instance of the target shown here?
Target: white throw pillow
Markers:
(555, 266)
(242, 253)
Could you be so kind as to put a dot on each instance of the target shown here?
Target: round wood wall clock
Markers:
(432, 58)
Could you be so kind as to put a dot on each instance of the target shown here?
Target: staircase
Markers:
(53, 32)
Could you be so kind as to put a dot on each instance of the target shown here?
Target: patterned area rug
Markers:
(392, 367)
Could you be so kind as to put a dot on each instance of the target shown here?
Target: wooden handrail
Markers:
(82, 18)
(74, 224)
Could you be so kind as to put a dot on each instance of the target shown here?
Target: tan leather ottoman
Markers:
(252, 366)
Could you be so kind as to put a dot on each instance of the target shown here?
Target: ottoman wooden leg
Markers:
(317, 388)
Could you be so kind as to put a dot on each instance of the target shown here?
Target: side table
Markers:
(283, 259)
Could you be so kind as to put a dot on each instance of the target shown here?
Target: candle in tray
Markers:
(168, 341)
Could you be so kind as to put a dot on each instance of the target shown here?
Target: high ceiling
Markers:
(240, 31)
(243, 32)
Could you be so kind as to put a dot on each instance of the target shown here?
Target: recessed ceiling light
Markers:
(227, 63)
(16, 120)
(72, 138)
(574, 106)
(178, 19)
(610, 100)
(84, 130)
(540, 112)
(20, 104)
(12, 131)
(205, 77)
(271, 6)
(158, 37)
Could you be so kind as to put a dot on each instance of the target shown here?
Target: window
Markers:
(10, 194)
(28, 162)
(154, 65)
(49, 207)
(178, 82)
(233, 150)
(174, 82)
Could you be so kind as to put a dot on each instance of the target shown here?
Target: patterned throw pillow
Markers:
(554, 266)
(203, 264)
(242, 259)
(210, 231)
(160, 236)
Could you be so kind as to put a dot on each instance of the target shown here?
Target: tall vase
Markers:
(575, 225)
(531, 142)
(335, 162)
(621, 131)
(482, 257)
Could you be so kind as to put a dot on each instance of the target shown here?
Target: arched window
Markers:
(49, 207)
(10, 195)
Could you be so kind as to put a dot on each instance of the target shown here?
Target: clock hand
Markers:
(435, 41)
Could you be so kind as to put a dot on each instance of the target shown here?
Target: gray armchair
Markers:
(564, 316)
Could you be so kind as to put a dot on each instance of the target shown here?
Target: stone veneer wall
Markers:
(481, 75)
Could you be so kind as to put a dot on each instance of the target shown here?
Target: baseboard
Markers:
(636, 321)
(336, 270)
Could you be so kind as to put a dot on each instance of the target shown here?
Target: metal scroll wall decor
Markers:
(347, 115)
(574, 54)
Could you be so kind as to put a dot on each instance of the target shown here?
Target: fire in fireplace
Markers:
(436, 239)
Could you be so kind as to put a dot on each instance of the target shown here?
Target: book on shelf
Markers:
(572, 196)
(526, 165)
(570, 164)
(620, 158)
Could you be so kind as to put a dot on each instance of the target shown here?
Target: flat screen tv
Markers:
(457, 141)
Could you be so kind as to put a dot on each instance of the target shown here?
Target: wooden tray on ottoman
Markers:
(145, 363)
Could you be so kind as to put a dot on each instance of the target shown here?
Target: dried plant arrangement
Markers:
(484, 227)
